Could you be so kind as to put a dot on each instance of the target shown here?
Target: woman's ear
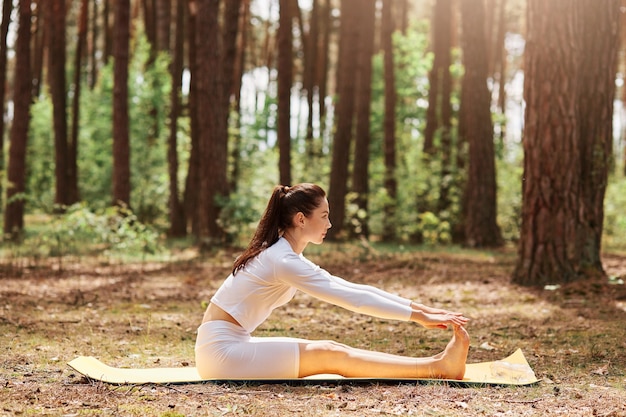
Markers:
(298, 219)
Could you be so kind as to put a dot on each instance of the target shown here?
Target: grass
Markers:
(144, 315)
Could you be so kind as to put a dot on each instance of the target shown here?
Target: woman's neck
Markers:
(295, 241)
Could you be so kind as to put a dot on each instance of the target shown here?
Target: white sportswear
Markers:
(272, 278)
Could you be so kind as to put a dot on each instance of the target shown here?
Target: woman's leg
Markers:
(334, 358)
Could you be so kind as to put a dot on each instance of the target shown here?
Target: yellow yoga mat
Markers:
(512, 370)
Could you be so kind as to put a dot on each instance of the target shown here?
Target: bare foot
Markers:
(451, 362)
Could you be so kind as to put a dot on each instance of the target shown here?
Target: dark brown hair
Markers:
(284, 203)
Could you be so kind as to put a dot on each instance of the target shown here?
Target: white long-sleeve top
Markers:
(272, 278)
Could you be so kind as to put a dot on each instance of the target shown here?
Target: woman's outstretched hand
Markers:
(436, 318)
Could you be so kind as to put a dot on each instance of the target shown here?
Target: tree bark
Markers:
(7, 8)
(231, 85)
(192, 182)
(548, 248)
(81, 43)
(93, 46)
(176, 209)
(242, 43)
(346, 89)
(107, 27)
(285, 80)
(360, 173)
(213, 147)
(309, 76)
(389, 144)
(439, 112)
(56, 82)
(38, 40)
(121, 135)
(599, 47)
(481, 228)
(14, 211)
(163, 14)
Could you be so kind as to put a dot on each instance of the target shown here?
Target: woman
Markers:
(268, 274)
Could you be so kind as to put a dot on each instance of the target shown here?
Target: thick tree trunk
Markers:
(360, 174)
(285, 79)
(16, 172)
(600, 46)
(213, 147)
(481, 228)
(346, 87)
(389, 144)
(549, 249)
(121, 135)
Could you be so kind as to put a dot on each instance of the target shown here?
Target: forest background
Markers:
(125, 122)
(466, 147)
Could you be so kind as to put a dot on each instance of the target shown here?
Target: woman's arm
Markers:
(360, 298)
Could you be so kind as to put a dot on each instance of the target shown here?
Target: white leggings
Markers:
(225, 350)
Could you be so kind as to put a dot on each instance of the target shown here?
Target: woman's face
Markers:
(317, 223)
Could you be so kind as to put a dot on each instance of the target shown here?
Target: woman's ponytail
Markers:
(284, 203)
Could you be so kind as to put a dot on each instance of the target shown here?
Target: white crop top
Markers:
(272, 278)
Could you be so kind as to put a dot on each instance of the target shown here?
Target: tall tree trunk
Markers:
(81, 43)
(56, 82)
(439, 110)
(360, 174)
(623, 39)
(14, 211)
(389, 145)
(212, 147)
(480, 221)
(38, 36)
(242, 41)
(7, 8)
(93, 46)
(573, 49)
(163, 24)
(309, 76)
(150, 21)
(121, 139)
(228, 60)
(599, 47)
(501, 59)
(285, 80)
(107, 28)
(346, 88)
(192, 182)
(176, 209)
(322, 62)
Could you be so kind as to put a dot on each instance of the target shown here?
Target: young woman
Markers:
(268, 274)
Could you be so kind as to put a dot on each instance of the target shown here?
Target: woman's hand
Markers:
(435, 318)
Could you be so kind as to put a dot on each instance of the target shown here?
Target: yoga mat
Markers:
(512, 370)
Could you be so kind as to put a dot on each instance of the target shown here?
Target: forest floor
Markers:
(146, 315)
